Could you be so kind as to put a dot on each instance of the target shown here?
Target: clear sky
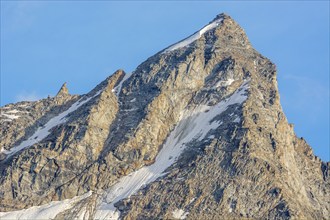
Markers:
(46, 43)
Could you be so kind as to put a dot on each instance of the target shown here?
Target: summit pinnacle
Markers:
(63, 91)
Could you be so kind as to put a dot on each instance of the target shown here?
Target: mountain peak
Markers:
(63, 91)
(221, 16)
(230, 29)
(195, 131)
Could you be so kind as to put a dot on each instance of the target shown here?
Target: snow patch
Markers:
(47, 211)
(192, 200)
(117, 89)
(43, 132)
(255, 64)
(195, 36)
(24, 105)
(14, 111)
(130, 110)
(4, 120)
(179, 214)
(237, 120)
(228, 82)
(11, 117)
(12, 114)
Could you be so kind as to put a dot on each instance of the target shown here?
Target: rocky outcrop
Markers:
(214, 100)
(63, 91)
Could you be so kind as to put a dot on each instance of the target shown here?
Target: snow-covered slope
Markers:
(195, 36)
(44, 131)
(48, 211)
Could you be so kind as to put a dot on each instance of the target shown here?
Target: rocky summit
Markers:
(195, 132)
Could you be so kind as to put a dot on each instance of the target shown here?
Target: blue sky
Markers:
(44, 44)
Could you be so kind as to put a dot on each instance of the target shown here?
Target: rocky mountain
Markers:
(196, 131)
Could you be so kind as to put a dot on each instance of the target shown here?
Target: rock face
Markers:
(196, 131)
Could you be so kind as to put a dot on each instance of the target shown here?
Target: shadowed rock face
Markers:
(250, 164)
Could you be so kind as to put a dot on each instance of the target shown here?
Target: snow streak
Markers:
(43, 131)
(195, 36)
(117, 89)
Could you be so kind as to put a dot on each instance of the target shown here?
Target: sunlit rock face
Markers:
(196, 131)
